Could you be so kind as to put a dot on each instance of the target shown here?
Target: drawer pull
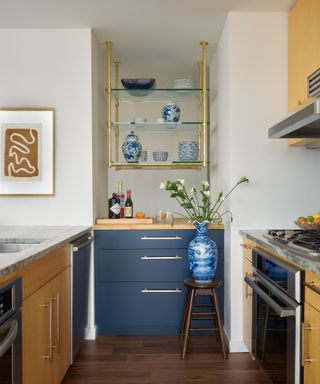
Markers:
(161, 238)
(146, 290)
(313, 287)
(161, 258)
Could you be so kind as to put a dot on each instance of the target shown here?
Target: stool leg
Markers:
(222, 338)
(183, 323)
(215, 320)
(187, 325)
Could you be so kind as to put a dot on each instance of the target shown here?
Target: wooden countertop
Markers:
(178, 223)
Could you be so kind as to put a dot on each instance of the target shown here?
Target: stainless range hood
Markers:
(302, 124)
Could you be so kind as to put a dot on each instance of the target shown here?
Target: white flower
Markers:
(206, 193)
(193, 190)
(181, 181)
(163, 185)
(205, 184)
(180, 187)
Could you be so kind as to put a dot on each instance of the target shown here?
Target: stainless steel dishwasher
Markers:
(80, 269)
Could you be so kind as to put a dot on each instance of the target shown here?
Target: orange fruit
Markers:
(302, 219)
(140, 215)
(317, 220)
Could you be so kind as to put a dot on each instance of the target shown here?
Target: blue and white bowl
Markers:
(160, 156)
(131, 148)
(171, 112)
(188, 150)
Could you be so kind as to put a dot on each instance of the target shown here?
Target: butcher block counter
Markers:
(118, 224)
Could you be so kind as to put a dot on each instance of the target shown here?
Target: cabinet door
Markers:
(303, 49)
(311, 350)
(247, 305)
(36, 333)
(60, 299)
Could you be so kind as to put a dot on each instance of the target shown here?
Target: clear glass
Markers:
(157, 94)
(185, 126)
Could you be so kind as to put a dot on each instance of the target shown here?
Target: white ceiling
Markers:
(162, 35)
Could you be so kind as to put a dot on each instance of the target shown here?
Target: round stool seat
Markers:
(191, 283)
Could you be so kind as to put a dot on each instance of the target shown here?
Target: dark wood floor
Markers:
(156, 360)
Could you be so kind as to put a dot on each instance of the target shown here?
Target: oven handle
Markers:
(280, 311)
(11, 335)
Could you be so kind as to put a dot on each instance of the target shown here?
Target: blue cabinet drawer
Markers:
(141, 265)
(139, 308)
(130, 239)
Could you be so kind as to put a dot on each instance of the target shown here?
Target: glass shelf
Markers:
(184, 126)
(198, 165)
(157, 94)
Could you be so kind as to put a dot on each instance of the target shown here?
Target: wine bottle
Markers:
(114, 207)
(128, 207)
(121, 197)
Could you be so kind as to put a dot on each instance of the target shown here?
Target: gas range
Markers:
(305, 243)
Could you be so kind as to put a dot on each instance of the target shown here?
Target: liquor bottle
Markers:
(114, 207)
(121, 197)
(128, 207)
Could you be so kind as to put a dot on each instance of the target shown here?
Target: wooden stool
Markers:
(214, 314)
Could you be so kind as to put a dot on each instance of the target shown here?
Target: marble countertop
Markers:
(48, 239)
(306, 262)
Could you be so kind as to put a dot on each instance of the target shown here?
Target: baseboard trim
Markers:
(91, 333)
(235, 346)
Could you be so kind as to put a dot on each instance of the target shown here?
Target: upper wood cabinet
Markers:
(303, 49)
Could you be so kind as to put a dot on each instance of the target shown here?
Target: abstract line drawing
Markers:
(21, 153)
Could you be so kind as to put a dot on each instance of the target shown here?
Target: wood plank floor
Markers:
(156, 360)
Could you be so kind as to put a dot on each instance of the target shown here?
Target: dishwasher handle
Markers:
(82, 242)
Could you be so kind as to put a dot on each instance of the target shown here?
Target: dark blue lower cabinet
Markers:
(141, 308)
(139, 286)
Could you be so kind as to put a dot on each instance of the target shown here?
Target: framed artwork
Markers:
(27, 152)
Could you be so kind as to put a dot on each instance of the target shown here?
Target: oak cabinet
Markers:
(247, 294)
(311, 350)
(303, 49)
(46, 321)
(311, 329)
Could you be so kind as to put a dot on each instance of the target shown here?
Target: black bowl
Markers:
(138, 83)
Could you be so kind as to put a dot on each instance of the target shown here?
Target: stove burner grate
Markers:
(307, 239)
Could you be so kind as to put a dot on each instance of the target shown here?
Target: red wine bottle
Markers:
(128, 207)
(114, 207)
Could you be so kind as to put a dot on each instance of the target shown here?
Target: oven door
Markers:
(10, 350)
(276, 321)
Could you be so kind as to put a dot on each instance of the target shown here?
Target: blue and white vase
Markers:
(202, 254)
(171, 112)
(131, 148)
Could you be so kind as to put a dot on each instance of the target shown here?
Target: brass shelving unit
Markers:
(198, 95)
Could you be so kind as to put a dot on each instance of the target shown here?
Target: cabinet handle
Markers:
(146, 290)
(161, 238)
(56, 345)
(161, 258)
(247, 286)
(312, 286)
(49, 356)
(304, 355)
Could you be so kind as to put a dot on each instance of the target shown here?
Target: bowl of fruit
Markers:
(309, 222)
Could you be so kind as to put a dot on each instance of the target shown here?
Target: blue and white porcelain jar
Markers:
(171, 112)
(202, 254)
(131, 148)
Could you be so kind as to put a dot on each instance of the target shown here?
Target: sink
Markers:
(17, 245)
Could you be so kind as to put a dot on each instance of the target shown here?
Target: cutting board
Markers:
(134, 220)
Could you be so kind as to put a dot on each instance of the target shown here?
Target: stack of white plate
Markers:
(183, 84)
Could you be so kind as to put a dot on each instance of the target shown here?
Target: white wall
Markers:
(52, 68)
(251, 76)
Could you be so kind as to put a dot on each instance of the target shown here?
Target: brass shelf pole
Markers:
(199, 107)
(109, 90)
(204, 98)
(116, 67)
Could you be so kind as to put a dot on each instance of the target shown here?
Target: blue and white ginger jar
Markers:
(171, 112)
(202, 254)
(131, 148)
